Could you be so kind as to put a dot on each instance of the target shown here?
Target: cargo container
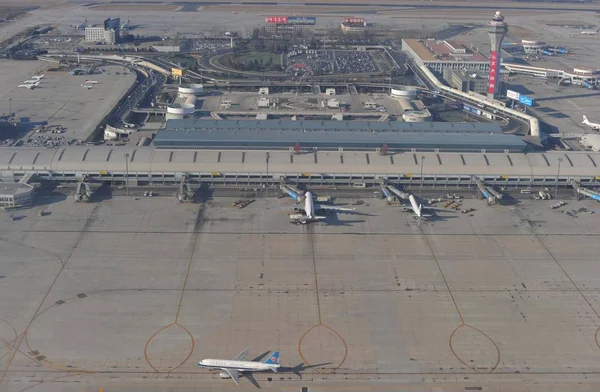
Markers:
(324, 199)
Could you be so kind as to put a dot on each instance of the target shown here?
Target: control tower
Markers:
(496, 29)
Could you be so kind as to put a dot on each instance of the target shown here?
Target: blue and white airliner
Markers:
(233, 367)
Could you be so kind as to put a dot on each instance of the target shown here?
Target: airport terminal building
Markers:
(330, 135)
(149, 166)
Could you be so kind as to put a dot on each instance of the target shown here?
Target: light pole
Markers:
(268, 156)
(421, 187)
(9, 108)
(127, 173)
(557, 176)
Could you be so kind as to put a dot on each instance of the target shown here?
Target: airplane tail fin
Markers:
(585, 120)
(273, 359)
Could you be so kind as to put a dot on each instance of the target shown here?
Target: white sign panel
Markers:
(513, 94)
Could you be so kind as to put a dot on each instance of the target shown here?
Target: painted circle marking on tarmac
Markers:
(331, 330)
(153, 337)
(487, 369)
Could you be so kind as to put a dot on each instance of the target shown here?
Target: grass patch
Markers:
(258, 56)
(251, 61)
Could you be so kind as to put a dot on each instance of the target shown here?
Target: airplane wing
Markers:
(234, 375)
(332, 208)
(242, 355)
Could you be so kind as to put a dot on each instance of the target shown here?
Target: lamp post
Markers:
(421, 187)
(127, 173)
(557, 176)
(268, 156)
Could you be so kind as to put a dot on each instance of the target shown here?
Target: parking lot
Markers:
(328, 62)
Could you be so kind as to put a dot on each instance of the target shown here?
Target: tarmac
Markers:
(60, 99)
(128, 293)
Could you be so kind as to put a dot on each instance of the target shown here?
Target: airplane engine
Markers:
(224, 375)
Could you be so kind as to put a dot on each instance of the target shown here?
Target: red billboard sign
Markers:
(493, 72)
(276, 19)
(352, 20)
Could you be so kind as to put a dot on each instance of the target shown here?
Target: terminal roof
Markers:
(81, 159)
(257, 134)
(272, 138)
(332, 125)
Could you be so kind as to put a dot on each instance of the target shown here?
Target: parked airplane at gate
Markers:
(233, 367)
(417, 208)
(37, 77)
(310, 208)
(592, 125)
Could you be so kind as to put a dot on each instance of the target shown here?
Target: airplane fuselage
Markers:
(240, 366)
(590, 124)
(415, 207)
(309, 205)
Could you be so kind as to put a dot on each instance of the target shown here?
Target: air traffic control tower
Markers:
(497, 29)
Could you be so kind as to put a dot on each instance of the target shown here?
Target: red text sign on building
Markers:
(276, 19)
(493, 73)
(354, 20)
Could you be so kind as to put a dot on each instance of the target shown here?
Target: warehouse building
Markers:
(108, 33)
(438, 55)
(335, 136)
(591, 141)
(289, 25)
(468, 79)
(353, 25)
(15, 194)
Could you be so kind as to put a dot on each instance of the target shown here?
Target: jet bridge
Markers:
(291, 191)
(390, 191)
(83, 191)
(489, 193)
(586, 192)
(385, 191)
(185, 192)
